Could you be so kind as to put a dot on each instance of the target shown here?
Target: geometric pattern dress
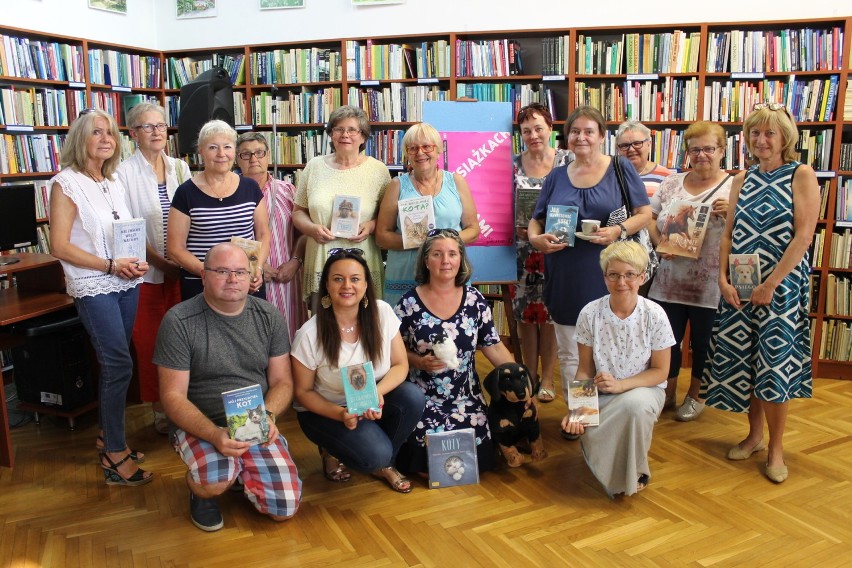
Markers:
(763, 350)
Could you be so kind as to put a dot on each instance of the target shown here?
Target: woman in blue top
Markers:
(451, 200)
(573, 276)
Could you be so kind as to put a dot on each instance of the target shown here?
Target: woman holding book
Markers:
(446, 192)
(441, 309)
(151, 178)
(213, 206)
(686, 282)
(573, 277)
(760, 348)
(538, 339)
(344, 174)
(350, 329)
(85, 202)
(624, 342)
(633, 141)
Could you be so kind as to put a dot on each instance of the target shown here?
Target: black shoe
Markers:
(205, 513)
(237, 486)
(569, 436)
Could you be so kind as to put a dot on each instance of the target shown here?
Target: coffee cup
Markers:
(590, 226)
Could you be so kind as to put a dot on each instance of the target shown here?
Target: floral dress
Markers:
(453, 397)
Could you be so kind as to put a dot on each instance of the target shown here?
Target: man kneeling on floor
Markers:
(218, 341)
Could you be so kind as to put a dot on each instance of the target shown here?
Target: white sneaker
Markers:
(689, 410)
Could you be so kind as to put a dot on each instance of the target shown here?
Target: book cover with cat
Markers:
(129, 238)
(583, 402)
(561, 222)
(246, 415)
(416, 218)
(359, 386)
(744, 271)
(452, 458)
(345, 216)
(525, 200)
(684, 227)
(252, 249)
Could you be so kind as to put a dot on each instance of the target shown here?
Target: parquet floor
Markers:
(699, 510)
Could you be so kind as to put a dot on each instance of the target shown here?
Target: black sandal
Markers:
(112, 477)
(338, 473)
(135, 455)
(642, 482)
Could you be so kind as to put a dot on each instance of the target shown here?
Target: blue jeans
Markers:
(373, 444)
(108, 319)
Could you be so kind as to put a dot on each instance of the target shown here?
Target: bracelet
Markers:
(110, 267)
(297, 259)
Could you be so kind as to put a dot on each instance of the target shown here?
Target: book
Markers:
(583, 402)
(129, 238)
(452, 458)
(744, 271)
(525, 200)
(416, 219)
(359, 386)
(561, 222)
(252, 249)
(246, 415)
(345, 216)
(684, 228)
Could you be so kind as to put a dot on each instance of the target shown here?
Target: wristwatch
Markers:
(623, 232)
(297, 259)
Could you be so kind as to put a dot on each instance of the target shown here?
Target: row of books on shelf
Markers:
(30, 153)
(775, 51)
(520, 95)
(555, 54)
(35, 59)
(638, 53)
(110, 67)
(42, 246)
(298, 148)
(837, 290)
(811, 100)
(396, 102)
(843, 207)
(840, 253)
(846, 151)
(488, 58)
(370, 61)
(297, 65)
(182, 70)
(672, 99)
(296, 108)
(386, 147)
(836, 340)
(40, 106)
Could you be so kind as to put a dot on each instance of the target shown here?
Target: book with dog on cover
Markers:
(345, 216)
(452, 458)
(744, 271)
(246, 415)
(359, 386)
(583, 402)
(561, 222)
(252, 249)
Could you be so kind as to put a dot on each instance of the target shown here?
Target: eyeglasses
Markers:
(709, 150)
(770, 106)
(637, 145)
(341, 251)
(442, 232)
(425, 148)
(615, 276)
(223, 274)
(257, 154)
(340, 131)
(149, 128)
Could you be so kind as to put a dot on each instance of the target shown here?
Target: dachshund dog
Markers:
(512, 414)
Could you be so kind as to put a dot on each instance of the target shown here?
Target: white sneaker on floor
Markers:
(689, 410)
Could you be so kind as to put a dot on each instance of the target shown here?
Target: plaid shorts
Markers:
(269, 476)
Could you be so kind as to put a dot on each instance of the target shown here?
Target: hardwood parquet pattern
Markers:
(699, 510)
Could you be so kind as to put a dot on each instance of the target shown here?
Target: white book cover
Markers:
(345, 216)
(416, 219)
(129, 238)
(583, 402)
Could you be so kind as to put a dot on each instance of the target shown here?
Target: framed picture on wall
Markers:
(186, 9)
(281, 4)
(117, 6)
(375, 2)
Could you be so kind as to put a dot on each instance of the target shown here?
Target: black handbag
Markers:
(641, 236)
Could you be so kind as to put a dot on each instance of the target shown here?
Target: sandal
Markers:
(642, 483)
(135, 455)
(333, 468)
(545, 395)
(113, 477)
(395, 479)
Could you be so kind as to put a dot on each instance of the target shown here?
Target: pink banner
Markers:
(484, 159)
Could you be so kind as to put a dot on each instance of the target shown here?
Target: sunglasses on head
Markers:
(341, 251)
(442, 232)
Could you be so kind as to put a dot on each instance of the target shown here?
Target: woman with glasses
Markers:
(286, 248)
(351, 328)
(151, 178)
(443, 309)
(573, 276)
(344, 172)
(760, 348)
(538, 339)
(450, 199)
(213, 206)
(86, 199)
(624, 343)
(687, 288)
(633, 141)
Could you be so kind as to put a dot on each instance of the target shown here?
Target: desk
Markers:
(40, 290)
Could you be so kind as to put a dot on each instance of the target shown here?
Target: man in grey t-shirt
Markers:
(218, 341)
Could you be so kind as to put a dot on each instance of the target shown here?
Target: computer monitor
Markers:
(18, 227)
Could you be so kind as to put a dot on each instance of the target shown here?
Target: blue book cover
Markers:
(359, 386)
(452, 458)
(561, 222)
(246, 414)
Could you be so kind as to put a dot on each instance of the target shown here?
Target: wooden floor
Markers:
(699, 510)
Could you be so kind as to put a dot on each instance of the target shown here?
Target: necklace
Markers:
(349, 329)
(105, 191)
(647, 169)
(433, 187)
(210, 188)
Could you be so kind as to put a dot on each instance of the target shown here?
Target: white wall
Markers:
(152, 23)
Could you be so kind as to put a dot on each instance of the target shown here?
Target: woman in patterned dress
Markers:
(538, 339)
(760, 351)
(440, 308)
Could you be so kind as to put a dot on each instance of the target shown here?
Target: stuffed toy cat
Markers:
(445, 349)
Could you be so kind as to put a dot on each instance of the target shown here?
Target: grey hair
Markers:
(349, 111)
(630, 125)
(137, 110)
(252, 137)
(216, 128)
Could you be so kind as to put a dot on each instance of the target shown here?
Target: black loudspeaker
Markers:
(209, 96)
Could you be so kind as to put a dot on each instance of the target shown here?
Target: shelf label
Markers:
(425, 80)
(121, 89)
(76, 85)
(643, 77)
(369, 83)
(553, 78)
(243, 127)
(840, 223)
(826, 174)
(19, 128)
(748, 75)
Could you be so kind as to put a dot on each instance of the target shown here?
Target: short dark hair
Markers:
(421, 274)
(585, 112)
(533, 109)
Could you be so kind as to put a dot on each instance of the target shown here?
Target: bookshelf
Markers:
(665, 75)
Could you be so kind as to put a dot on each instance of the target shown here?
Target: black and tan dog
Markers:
(512, 415)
